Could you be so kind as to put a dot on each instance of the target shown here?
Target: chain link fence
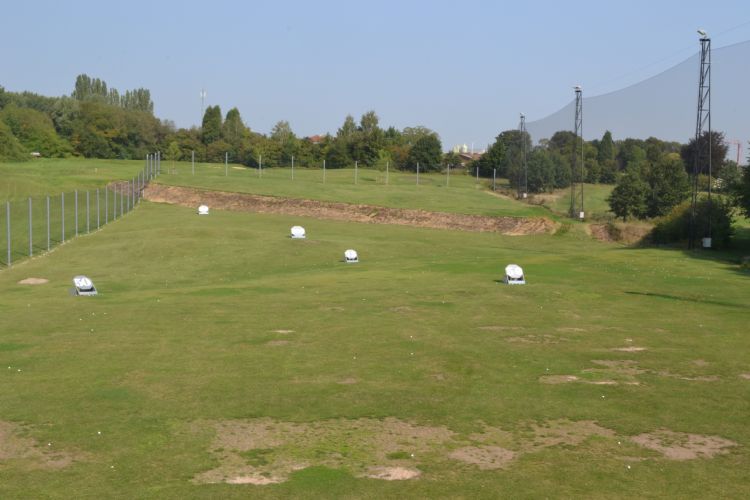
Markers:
(37, 224)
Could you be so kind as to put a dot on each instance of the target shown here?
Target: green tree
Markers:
(426, 153)
(718, 153)
(34, 130)
(606, 148)
(10, 148)
(668, 183)
(233, 129)
(629, 197)
(743, 193)
(211, 125)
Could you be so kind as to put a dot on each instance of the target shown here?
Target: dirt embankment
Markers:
(243, 202)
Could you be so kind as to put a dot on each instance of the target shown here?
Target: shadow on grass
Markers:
(688, 299)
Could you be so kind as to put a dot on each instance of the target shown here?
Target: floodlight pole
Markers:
(522, 129)
(576, 185)
(702, 125)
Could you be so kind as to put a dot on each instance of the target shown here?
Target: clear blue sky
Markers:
(465, 69)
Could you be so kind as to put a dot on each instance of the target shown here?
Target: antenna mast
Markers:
(523, 188)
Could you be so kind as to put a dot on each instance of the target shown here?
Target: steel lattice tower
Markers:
(702, 125)
(523, 175)
(576, 165)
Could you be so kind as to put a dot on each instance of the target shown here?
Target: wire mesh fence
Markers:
(37, 224)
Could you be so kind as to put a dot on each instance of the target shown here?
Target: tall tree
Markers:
(426, 152)
(606, 148)
(629, 197)
(211, 126)
(233, 129)
(718, 153)
(668, 185)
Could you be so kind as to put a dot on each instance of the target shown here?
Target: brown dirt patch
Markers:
(558, 379)
(629, 349)
(15, 446)
(221, 200)
(33, 281)
(602, 232)
(283, 331)
(746, 376)
(276, 343)
(563, 432)
(393, 473)
(682, 446)
(484, 457)
(536, 339)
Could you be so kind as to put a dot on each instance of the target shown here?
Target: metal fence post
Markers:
(121, 200)
(48, 240)
(75, 196)
(494, 175)
(97, 208)
(62, 209)
(127, 198)
(106, 205)
(417, 173)
(193, 161)
(7, 228)
(88, 218)
(31, 237)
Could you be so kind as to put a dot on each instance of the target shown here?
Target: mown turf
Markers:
(461, 193)
(180, 334)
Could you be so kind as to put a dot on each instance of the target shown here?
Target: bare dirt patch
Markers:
(683, 446)
(558, 379)
(563, 432)
(283, 331)
(537, 339)
(15, 446)
(33, 281)
(393, 473)
(484, 457)
(512, 226)
(629, 349)
(746, 376)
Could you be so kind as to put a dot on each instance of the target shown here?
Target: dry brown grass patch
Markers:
(33, 281)
(14, 445)
(683, 446)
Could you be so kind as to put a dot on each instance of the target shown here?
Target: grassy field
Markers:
(402, 191)
(595, 200)
(219, 349)
(47, 176)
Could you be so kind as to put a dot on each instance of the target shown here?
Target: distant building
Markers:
(315, 139)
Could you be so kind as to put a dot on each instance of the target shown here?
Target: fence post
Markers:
(7, 227)
(355, 172)
(88, 217)
(62, 209)
(97, 209)
(494, 175)
(387, 168)
(192, 160)
(292, 167)
(226, 164)
(31, 238)
(127, 198)
(48, 242)
(324, 171)
(106, 205)
(417, 173)
(448, 177)
(75, 196)
(121, 200)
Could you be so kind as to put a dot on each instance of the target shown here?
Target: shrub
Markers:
(675, 226)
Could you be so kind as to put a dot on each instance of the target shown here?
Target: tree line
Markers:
(96, 120)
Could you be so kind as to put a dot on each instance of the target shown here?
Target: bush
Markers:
(675, 226)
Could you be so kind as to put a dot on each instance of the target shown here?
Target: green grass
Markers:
(46, 176)
(463, 195)
(595, 200)
(179, 335)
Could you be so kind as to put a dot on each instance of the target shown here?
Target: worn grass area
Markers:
(461, 193)
(212, 331)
